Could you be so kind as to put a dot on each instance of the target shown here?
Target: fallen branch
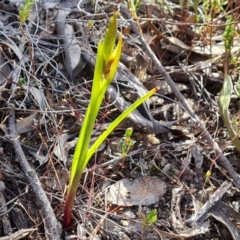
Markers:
(51, 225)
(224, 161)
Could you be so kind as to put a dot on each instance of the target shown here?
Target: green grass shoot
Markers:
(25, 10)
(108, 56)
(227, 88)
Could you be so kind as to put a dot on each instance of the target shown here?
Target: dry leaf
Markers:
(147, 190)
(26, 124)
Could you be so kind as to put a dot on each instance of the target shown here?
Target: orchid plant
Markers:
(108, 56)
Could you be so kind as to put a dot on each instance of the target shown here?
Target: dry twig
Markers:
(51, 225)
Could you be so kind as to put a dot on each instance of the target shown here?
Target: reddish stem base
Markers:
(68, 210)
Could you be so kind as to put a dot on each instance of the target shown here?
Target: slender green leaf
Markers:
(116, 122)
(110, 38)
(98, 72)
(224, 101)
(89, 120)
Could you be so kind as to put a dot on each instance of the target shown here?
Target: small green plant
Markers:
(22, 81)
(229, 34)
(207, 176)
(149, 219)
(108, 56)
(224, 101)
(133, 5)
(227, 88)
(23, 16)
(90, 24)
(25, 10)
(126, 143)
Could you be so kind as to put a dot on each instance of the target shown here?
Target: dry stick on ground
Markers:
(52, 227)
(224, 161)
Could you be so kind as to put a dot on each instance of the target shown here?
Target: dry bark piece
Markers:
(5, 222)
(14, 75)
(201, 228)
(228, 216)
(213, 199)
(73, 60)
(176, 218)
(18, 219)
(5, 68)
(196, 152)
(146, 190)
